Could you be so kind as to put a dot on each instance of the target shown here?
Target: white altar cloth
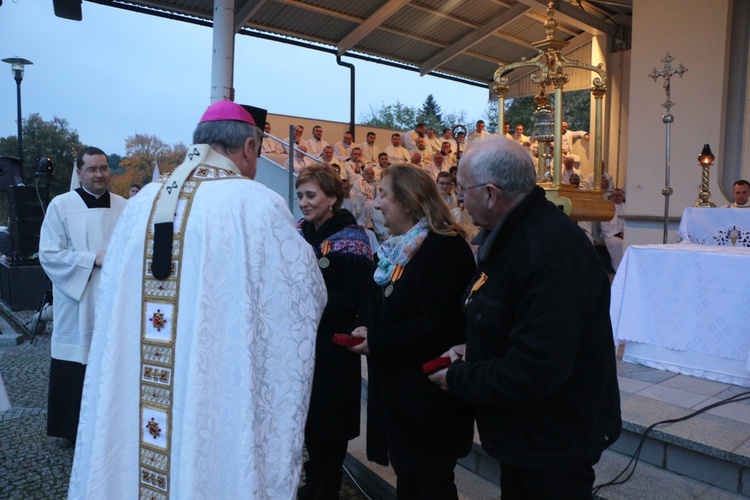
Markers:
(685, 308)
(714, 226)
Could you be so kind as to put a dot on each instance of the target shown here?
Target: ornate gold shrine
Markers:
(580, 205)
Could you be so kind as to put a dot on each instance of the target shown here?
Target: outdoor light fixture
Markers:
(17, 64)
(706, 159)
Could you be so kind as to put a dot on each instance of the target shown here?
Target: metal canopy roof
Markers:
(466, 39)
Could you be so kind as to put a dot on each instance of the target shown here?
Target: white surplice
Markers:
(71, 236)
(250, 296)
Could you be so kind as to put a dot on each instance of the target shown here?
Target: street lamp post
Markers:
(17, 64)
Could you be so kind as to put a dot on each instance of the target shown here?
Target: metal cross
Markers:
(667, 73)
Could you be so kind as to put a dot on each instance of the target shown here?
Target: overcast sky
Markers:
(117, 73)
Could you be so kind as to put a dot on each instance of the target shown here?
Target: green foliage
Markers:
(490, 118)
(577, 109)
(114, 163)
(431, 115)
(53, 139)
(393, 116)
(452, 119)
(520, 110)
(402, 117)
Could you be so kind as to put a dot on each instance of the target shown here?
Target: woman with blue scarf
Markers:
(412, 314)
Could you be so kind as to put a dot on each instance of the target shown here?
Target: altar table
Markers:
(685, 308)
(715, 226)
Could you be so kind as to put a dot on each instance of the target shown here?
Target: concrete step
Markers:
(707, 456)
(652, 483)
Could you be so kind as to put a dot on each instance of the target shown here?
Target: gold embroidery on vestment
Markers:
(158, 337)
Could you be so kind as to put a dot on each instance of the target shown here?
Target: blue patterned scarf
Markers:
(399, 250)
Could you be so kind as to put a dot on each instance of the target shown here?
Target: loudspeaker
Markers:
(24, 204)
(24, 237)
(10, 172)
(22, 285)
(68, 9)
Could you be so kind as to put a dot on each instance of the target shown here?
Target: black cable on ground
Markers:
(634, 460)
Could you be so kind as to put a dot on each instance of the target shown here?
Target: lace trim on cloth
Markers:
(731, 236)
(159, 315)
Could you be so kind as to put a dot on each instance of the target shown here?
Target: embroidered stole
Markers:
(159, 328)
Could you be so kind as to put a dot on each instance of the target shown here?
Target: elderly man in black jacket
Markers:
(542, 381)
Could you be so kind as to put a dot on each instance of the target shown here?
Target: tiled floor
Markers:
(683, 390)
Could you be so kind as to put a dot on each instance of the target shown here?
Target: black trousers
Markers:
(64, 398)
(436, 483)
(323, 469)
(573, 482)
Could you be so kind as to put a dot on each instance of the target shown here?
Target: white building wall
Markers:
(696, 33)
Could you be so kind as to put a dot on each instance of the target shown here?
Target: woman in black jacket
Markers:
(412, 313)
(345, 259)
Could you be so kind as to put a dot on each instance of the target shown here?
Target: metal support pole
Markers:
(222, 61)
(500, 115)
(20, 124)
(556, 172)
(667, 191)
(598, 142)
(352, 81)
(291, 168)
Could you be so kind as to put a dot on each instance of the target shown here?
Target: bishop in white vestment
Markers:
(202, 361)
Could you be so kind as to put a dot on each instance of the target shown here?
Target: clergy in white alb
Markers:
(202, 360)
(315, 144)
(370, 150)
(72, 244)
(397, 154)
(741, 194)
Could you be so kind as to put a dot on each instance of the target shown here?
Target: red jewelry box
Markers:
(346, 339)
(436, 364)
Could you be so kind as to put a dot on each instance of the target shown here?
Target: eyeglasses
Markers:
(444, 183)
(461, 189)
(95, 170)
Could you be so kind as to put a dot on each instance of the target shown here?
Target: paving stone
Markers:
(32, 465)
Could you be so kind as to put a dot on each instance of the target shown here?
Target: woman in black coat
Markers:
(412, 313)
(345, 260)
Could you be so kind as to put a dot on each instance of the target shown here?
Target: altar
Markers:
(715, 226)
(685, 308)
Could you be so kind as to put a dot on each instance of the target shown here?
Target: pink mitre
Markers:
(227, 110)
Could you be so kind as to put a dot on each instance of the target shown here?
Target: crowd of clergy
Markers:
(438, 153)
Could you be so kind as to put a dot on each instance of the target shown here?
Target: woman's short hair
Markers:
(418, 194)
(326, 178)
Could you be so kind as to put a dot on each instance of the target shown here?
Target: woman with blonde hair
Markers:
(412, 313)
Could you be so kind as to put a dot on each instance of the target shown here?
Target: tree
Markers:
(393, 116)
(452, 119)
(577, 109)
(114, 164)
(490, 117)
(141, 150)
(430, 114)
(520, 110)
(45, 139)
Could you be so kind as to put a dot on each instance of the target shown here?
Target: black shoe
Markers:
(64, 443)
(305, 492)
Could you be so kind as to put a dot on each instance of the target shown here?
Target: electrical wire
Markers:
(39, 197)
(356, 484)
(636, 456)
